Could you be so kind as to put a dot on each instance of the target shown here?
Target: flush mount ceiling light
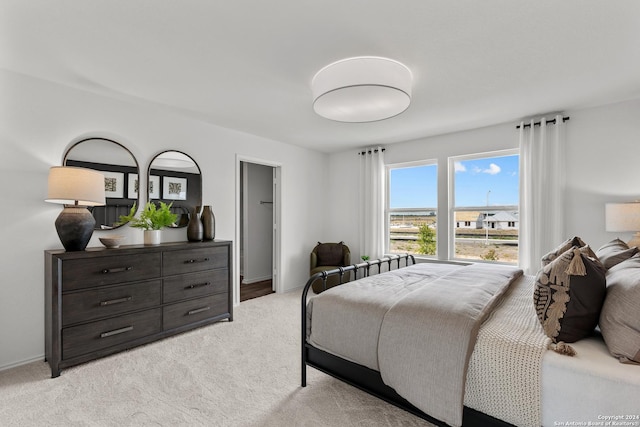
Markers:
(362, 89)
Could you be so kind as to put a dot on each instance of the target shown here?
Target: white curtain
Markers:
(542, 181)
(372, 202)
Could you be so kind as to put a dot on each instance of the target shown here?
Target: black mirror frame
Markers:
(182, 208)
(125, 170)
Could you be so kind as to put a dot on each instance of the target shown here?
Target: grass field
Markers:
(470, 243)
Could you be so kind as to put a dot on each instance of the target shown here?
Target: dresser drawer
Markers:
(89, 272)
(94, 304)
(192, 260)
(83, 339)
(193, 285)
(186, 312)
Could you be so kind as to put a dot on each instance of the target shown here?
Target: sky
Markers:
(416, 187)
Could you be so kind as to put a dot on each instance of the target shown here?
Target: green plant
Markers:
(490, 255)
(365, 257)
(151, 217)
(426, 240)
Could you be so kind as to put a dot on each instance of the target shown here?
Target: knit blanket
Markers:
(503, 379)
(427, 337)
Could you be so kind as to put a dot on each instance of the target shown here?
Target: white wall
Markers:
(344, 173)
(319, 192)
(603, 150)
(603, 156)
(258, 222)
(40, 119)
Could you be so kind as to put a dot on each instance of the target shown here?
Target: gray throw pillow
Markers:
(568, 295)
(615, 252)
(620, 316)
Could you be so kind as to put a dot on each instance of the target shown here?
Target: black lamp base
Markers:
(75, 226)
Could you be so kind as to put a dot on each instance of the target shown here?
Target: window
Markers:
(485, 194)
(412, 208)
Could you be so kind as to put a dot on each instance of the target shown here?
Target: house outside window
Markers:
(412, 197)
(484, 191)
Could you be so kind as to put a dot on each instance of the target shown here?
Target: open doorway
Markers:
(257, 229)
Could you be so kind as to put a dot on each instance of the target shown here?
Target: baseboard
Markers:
(22, 362)
(246, 281)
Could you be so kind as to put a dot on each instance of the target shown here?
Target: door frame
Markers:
(277, 231)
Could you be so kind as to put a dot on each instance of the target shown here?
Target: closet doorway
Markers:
(258, 229)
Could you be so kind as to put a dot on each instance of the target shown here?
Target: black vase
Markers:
(208, 223)
(195, 228)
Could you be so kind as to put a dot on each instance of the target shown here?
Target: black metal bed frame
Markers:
(359, 376)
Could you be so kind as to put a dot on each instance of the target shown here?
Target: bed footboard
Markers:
(371, 382)
(366, 269)
(360, 376)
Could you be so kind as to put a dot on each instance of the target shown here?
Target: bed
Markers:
(370, 333)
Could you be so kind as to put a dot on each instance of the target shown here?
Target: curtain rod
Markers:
(552, 121)
(362, 153)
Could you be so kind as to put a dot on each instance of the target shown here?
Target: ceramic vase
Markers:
(208, 223)
(195, 228)
(151, 237)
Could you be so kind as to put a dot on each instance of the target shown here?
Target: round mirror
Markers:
(120, 171)
(174, 177)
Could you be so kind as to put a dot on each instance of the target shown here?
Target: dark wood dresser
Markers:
(102, 301)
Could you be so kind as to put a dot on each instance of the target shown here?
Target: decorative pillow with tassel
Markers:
(564, 246)
(569, 293)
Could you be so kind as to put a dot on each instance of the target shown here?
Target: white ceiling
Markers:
(247, 65)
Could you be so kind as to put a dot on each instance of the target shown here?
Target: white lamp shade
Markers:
(71, 185)
(362, 89)
(622, 216)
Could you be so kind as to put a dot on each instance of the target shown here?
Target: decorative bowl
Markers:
(112, 241)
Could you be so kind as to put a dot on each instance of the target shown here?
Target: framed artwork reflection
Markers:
(133, 186)
(174, 188)
(154, 187)
(113, 184)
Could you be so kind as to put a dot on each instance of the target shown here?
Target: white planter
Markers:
(152, 237)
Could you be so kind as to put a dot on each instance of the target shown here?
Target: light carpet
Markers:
(240, 373)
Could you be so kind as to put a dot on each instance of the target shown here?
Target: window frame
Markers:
(452, 209)
(388, 210)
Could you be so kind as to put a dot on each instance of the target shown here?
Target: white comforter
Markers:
(365, 302)
(417, 326)
(511, 376)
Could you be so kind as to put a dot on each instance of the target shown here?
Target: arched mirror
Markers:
(121, 173)
(174, 177)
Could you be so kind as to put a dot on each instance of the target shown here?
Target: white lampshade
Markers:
(362, 89)
(76, 186)
(624, 217)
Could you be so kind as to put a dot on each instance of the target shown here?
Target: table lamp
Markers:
(624, 217)
(75, 188)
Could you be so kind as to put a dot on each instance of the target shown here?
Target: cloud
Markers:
(493, 169)
(459, 167)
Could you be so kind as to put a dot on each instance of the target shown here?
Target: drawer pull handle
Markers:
(116, 270)
(198, 310)
(115, 301)
(116, 332)
(198, 285)
(192, 261)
